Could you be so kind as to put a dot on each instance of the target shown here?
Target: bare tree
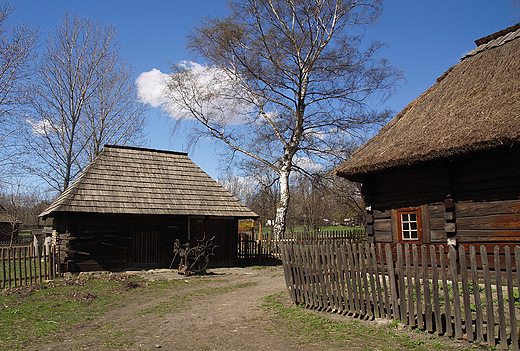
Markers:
(285, 82)
(86, 98)
(16, 53)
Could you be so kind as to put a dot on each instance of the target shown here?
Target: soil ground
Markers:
(229, 320)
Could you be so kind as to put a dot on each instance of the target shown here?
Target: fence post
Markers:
(3, 267)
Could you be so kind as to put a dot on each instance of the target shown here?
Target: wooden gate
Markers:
(146, 246)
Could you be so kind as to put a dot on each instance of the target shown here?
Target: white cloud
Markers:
(307, 164)
(212, 91)
(39, 127)
(151, 87)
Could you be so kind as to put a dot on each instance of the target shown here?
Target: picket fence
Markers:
(438, 289)
(258, 250)
(28, 265)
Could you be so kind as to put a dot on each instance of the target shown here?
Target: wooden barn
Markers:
(446, 169)
(130, 204)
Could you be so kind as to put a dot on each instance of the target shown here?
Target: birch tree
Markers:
(86, 98)
(284, 82)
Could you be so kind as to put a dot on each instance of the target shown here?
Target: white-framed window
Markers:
(409, 225)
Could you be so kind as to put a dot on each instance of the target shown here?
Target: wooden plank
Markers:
(337, 277)
(373, 309)
(298, 275)
(289, 282)
(425, 222)
(320, 267)
(378, 297)
(477, 209)
(465, 293)
(2, 253)
(354, 277)
(487, 235)
(452, 254)
(13, 255)
(305, 282)
(426, 290)
(435, 288)
(479, 322)
(418, 295)
(366, 289)
(384, 274)
(409, 282)
(314, 280)
(500, 299)
(391, 278)
(491, 222)
(511, 299)
(333, 276)
(401, 287)
(490, 318)
(40, 277)
(383, 225)
(359, 283)
(349, 279)
(343, 268)
(359, 274)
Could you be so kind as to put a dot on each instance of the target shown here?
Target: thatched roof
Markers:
(474, 106)
(128, 180)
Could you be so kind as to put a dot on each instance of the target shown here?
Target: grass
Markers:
(315, 330)
(325, 228)
(29, 315)
(32, 314)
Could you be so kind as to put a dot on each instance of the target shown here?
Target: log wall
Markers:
(484, 188)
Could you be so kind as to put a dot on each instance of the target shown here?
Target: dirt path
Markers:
(229, 320)
(219, 311)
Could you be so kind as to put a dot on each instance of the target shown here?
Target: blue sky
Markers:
(423, 38)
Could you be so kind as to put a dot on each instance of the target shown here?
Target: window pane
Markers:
(413, 217)
(414, 234)
(406, 235)
(413, 225)
(405, 217)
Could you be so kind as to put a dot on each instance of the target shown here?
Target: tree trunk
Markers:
(283, 203)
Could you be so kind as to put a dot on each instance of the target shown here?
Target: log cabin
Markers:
(129, 205)
(446, 169)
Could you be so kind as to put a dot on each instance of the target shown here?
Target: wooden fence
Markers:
(257, 251)
(437, 289)
(28, 265)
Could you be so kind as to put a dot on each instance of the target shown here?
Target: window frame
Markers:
(410, 210)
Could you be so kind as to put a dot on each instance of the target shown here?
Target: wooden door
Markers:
(146, 246)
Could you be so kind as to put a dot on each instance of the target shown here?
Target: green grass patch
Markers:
(311, 329)
(29, 315)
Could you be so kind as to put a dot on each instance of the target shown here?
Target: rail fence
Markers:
(28, 265)
(254, 250)
(467, 295)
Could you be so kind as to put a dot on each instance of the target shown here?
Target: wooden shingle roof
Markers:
(129, 180)
(474, 106)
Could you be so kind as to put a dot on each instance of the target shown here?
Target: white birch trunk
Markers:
(283, 203)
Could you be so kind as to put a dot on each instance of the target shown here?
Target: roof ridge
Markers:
(498, 34)
(144, 149)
